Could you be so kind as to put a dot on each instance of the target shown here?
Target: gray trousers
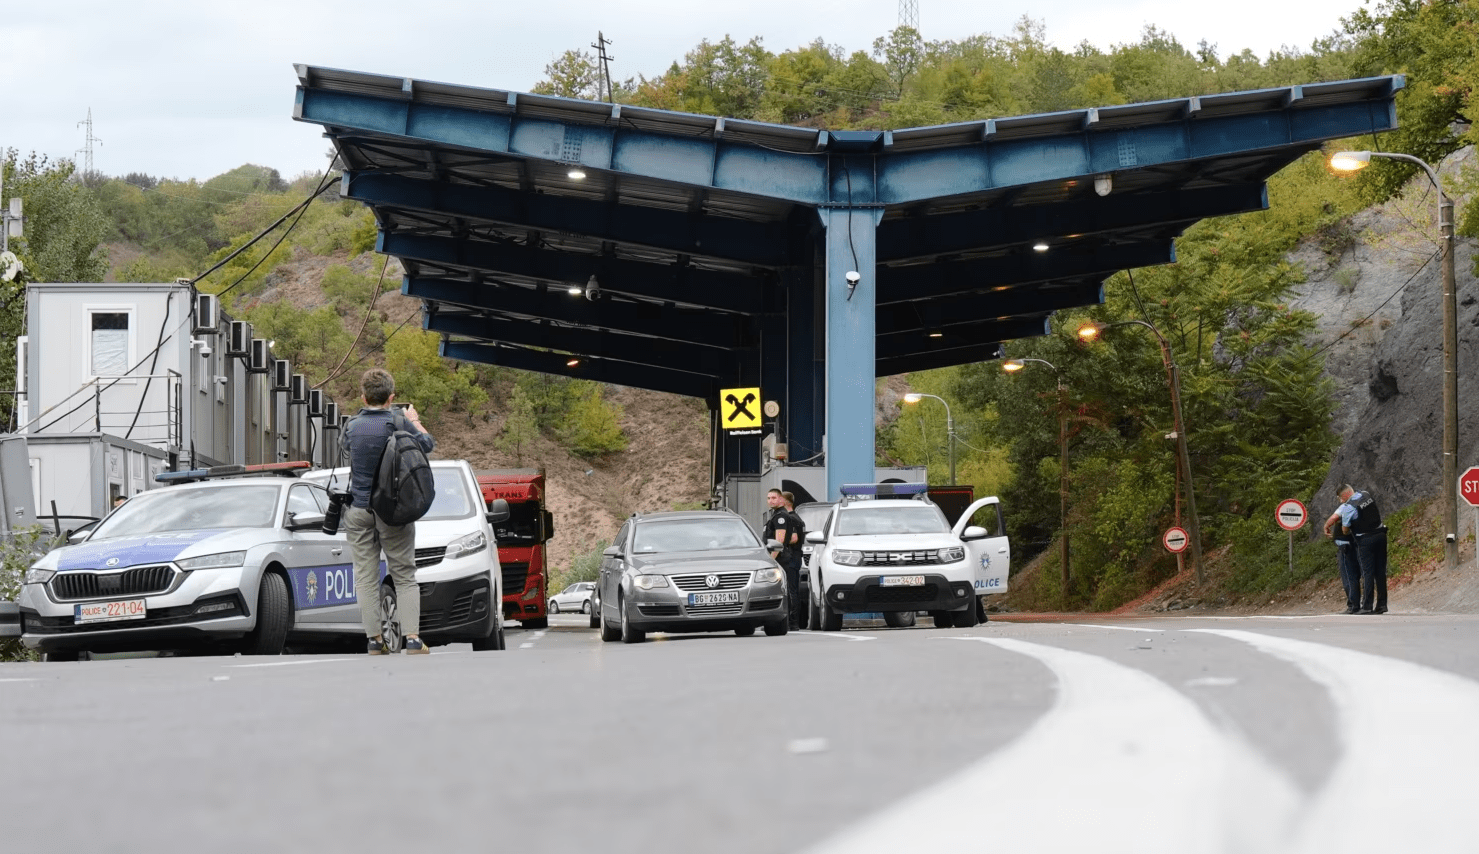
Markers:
(368, 537)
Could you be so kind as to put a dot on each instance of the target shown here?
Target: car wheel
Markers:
(535, 623)
(608, 633)
(274, 616)
(595, 616)
(390, 627)
(815, 612)
(803, 618)
(585, 607)
(554, 607)
(629, 633)
(745, 631)
(63, 655)
(493, 642)
(981, 609)
(831, 620)
(898, 619)
(776, 629)
(966, 619)
(943, 619)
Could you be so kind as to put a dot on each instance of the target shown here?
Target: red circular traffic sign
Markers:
(1175, 540)
(1291, 514)
(1468, 486)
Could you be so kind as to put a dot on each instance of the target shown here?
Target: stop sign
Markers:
(1468, 486)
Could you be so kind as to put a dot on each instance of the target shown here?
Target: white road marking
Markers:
(1406, 779)
(526, 646)
(20, 680)
(292, 663)
(806, 745)
(1120, 763)
(838, 635)
(1212, 682)
(1116, 628)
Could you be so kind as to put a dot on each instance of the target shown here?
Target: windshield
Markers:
(911, 518)
(813, 516)
(452, 500)
(693, 535)
(243, 505)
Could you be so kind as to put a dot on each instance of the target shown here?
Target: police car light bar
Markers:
(290, 469)
(883, 489)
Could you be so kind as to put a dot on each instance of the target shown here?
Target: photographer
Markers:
(363, 444)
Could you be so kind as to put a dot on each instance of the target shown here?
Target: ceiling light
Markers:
(576, 174)
(572, 363)
(575, 290)
(1040, 246)
(937, 334)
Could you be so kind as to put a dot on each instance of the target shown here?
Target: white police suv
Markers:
(887, 548)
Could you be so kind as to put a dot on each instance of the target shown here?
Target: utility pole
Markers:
(909, 14)
(605, 59)
(86, 151)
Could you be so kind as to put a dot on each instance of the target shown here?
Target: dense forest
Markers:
(1254, 391)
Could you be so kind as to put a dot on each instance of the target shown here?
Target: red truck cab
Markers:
(521, 541)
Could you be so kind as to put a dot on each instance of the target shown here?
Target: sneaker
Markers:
(376, 646)
(414, 646)
(1378, 610)
(1365, 611)
(1350, 611)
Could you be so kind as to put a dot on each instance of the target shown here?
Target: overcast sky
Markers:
(191, 89)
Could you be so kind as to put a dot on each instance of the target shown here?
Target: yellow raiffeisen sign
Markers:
(739, 410)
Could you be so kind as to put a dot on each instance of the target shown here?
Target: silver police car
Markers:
(219, 562)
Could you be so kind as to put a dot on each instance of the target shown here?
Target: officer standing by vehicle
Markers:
(1360, 518)
(363, 445)
(787, 528)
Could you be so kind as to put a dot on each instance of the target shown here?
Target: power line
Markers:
(87, 151)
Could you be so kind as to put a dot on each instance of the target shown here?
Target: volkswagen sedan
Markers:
(689, 571)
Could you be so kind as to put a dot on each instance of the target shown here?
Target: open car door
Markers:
(991, 555)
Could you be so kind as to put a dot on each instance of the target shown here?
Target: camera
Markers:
(853, 277)
(334, 513)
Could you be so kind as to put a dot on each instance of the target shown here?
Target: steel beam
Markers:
(963, 337)
(765, 244)
(926, 236)
(850, 345)
(690, 285)
(932, 281)
(613, 346)
(942, 359)
(941, 314)
(596, 369)
(657, 320)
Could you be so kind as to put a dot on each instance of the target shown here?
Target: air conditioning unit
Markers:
(315, 403)
(239, 342)
(298, 389)
(207, 315)
(258, 363)
(282, 375)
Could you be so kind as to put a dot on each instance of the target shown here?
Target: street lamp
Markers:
(1090, 332)
(1351, 161)
(1011, 366)
(914, 397)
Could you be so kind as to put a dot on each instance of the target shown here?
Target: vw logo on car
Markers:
(712, 581)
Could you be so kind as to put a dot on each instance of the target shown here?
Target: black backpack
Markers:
(403, 489)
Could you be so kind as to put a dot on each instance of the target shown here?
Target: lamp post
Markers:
(1011, 366)
(1090, 332)
(1351, 161)
(914, 397)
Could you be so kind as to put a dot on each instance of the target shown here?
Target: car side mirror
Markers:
(974, 532)
(815, 537)
(773, 545)
(612, 551)
(80, 534)
(498, 510)
(305, 521)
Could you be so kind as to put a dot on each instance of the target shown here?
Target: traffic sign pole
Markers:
(1291, 514)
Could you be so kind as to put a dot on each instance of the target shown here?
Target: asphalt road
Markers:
(1342, 734)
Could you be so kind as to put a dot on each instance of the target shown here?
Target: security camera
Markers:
(853, 277)
(592, 289)
(205, 349)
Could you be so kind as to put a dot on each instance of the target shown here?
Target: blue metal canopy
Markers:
(708, 253)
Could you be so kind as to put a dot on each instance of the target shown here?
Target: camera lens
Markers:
(332, 515)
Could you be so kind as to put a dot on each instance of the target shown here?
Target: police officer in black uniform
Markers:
(786, 527)
(1361, 518)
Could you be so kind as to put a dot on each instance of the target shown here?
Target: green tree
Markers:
(593, 427)
(520, 426)
(573, 74)
(901, 52)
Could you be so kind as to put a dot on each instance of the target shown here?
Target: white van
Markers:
(456, 562)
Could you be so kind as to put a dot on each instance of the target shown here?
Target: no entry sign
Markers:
(1174, 540)
(1291, 514)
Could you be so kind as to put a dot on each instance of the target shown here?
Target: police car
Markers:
(887, 548)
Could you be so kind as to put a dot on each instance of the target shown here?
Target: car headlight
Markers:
(770, 575)
(952, 554)
(647, 582)
(847, 557)
(470, 544)
(39, 576)
(215, 561)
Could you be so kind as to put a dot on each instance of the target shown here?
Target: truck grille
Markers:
(515, 575)
(902, 558)
(140, 580)
(430, 557)
(699, 582)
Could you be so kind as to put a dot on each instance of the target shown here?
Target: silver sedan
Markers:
(689, 571)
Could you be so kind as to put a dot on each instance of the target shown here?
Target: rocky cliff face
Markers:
(1378, 300)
